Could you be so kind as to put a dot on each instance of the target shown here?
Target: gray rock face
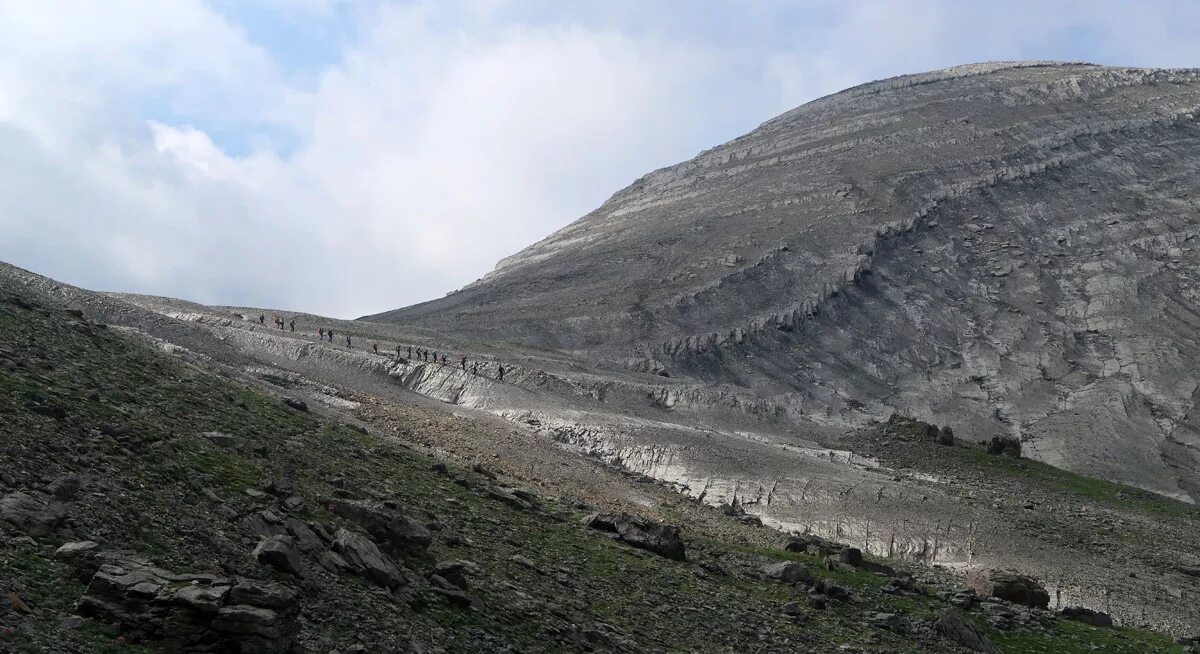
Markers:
(1025, 232)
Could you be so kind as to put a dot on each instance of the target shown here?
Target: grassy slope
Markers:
(153, 493)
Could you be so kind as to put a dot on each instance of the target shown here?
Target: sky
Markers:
(347, 158)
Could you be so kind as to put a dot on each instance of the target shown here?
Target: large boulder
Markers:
(1009, 586)
(192, 612)
(391, 528)
(788, 572)
(365, 559)
(1001, 444)
(952, 625)
(279, 552)
(31, 514)
(662, 539)
(1087, 616)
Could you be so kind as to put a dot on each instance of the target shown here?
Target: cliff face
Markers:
(1000, 247)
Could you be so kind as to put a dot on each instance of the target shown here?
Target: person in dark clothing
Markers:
(409, 351)
(435, 356)
(475, 368)
(293, 325)
(375, 346)
(444, 361)
(321, 333)
(329, 333)
(501, 372)
(462, 361)
(348, 343)
(262, 320)
(398, 352)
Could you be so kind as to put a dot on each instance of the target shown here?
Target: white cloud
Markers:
(442, 139)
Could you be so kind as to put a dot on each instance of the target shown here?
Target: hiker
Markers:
(293, 325)
(444, 361)
(375, 346)
(463, 362)
(262, 320)
(409, 351)
(321, 333)
(329, 333)
(398, 352)
(348, 344)
(501, 372)
(475, 368)
(435, 356)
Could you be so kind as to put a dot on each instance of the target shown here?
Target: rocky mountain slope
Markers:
(156, 498)
(1000, 247)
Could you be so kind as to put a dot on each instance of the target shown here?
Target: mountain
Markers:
(1004, 247)
(937, 325)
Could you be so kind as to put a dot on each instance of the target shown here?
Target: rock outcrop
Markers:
(192, 612)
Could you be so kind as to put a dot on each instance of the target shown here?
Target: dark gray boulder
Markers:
(1009, 586)
(662, 539)
(788, 572)
(391, 528)
(953, 625)
(30, 514)
(1087, 616)
(365, 559)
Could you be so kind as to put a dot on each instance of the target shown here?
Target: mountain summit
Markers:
(1006, 247)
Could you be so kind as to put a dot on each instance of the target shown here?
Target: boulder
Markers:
(393, 529)
(365, 559)
(75, 550)
(220, 439)
(1087, 616)
(952, 625)
(65, 488)
(1002, 444)
(832, 590)
(453, 572)
(30, 514)
(945, 436)
(279, 552)
(299, 405)
(662, 539)
(1009, 586)
(788, 572)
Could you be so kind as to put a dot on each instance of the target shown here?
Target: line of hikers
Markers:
(421, 354)
(325, 333)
